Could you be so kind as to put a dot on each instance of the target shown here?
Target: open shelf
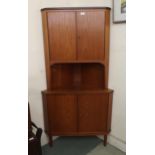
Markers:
(77, 62)
(77, 76)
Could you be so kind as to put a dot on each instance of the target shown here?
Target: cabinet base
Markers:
(105, 140)
(50, 141)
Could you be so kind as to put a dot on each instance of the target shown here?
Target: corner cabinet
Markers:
(77, 101)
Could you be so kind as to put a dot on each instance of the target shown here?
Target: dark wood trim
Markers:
(74, 8)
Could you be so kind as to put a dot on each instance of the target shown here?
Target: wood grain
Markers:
(93, 112)
(62, 35)
(62, 113)
(92, 76)
(77, 76)
(107, 39)
(90, 31)
(46, 49)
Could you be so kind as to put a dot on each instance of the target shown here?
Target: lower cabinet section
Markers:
(77, 113)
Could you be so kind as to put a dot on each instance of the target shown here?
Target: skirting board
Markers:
(116, 142)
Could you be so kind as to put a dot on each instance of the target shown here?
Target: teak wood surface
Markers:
(76, 44)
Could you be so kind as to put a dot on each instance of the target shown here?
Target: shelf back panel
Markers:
(77, 76)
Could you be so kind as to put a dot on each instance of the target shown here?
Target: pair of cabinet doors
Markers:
(76, 35)
(78, 114)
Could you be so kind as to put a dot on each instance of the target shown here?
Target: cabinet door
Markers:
(93, 110)
(62, 35)
(62, 113)
(90, 28)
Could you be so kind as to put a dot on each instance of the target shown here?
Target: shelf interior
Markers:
(81, 76)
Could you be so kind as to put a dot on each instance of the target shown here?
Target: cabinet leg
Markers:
(50, 141)
(105, 140)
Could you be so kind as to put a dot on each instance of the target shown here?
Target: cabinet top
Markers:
(74, 8)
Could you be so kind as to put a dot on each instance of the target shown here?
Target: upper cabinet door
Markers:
(90, 28)
(62, 35)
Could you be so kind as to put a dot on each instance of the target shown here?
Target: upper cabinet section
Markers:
(90, 33)
(62, 35)
(76, 34)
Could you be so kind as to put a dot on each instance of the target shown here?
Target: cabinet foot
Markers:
(105, 140)
(50, 141)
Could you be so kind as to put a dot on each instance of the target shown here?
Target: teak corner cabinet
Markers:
(77, 101)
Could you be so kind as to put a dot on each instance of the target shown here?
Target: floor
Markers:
(80, 146)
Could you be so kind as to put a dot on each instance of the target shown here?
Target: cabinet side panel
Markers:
(109, 112)
(107, 38)
(46, 48)
(46, 122)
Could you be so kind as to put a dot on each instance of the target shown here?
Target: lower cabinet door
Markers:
(62, 113)
(93, 111)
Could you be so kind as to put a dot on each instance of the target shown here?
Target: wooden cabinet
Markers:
(77, 100)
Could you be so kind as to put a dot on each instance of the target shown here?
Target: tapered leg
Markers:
(50, 141)
(105, 140)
